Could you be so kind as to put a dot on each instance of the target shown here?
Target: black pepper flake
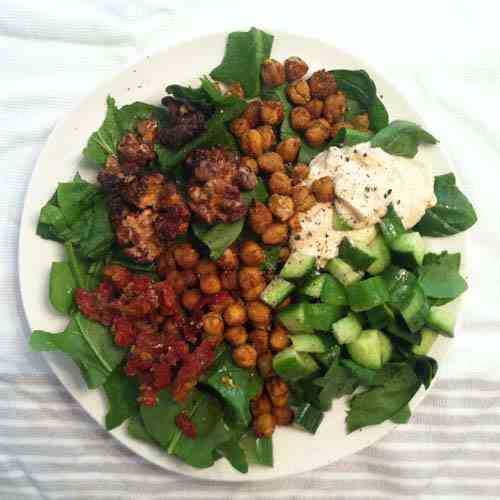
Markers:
(367, 189)
(309, 233)
(297, 238)
(365, 155)
(399, 202)
(347, 158)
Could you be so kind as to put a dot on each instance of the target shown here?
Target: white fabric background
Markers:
(445, 56)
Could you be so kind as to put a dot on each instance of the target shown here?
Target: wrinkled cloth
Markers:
(445, 56)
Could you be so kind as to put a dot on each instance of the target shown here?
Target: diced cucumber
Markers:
(441, 320)
(416, 311)
(428, 338)
(372, 349)
(321, 316)
(357, 257)
(343, 272)
(347, 329)
(339, 223)
(409, 250)
(380, 316)
(292, 365)
(379, 250)
(391, 226)
(332, 351)
(308, 343)
(294, 318)
(313, 285)
(297, 265)
(276, 292)
(333, 292)
(367, 294)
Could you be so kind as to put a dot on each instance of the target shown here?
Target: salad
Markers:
(251, 252)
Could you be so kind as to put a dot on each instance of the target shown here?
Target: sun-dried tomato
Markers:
(124, 332)
(183, 422)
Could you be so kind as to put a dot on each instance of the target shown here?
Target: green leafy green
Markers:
(354, 108)
(402, 416)
(272, 259)
(308, 417)
(244, 54)
(62, 284)
(453, 212)
(51, 224)
(196, 96)
(425, 368)
(257, 450)
(402, 138)
(350, 137)
(136, 428)
(219, 237)
(307, 152)
(259, 193)
(365, 376)
(74, 198)
(234, 454)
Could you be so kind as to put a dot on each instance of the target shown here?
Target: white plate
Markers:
(295, 451)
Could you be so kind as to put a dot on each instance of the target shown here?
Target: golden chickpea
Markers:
(265, 364)
(259, 313)
(321, 121)
(303, 198)
(282, 415)
(281, 206)
(176, 280)
(277, 389)
(190, 298)
(213, 324)
(245, 356)
(271, 112)
(221, 305)
(280, 183)
(276, 233)
(239, 126)
(206, 266)
(190, 278)
(251, 253)
(272, 73)
(323, 189)
(261, 405)
(279, 338)
(298, 92)
(260, 217)
(270, 162)
(235, 314)
(250, 277)
(335, 107)
(250, 163)
(336, 127)
(361, 122)
(235, 89)
(210, 284)
(284, 253)
(289, 149)
(259, 338)
(236, 335)
(186, 256)
(300, 173)
(229, 279)
(294, 223)
(229, 259)
(252, 113)
(295, 68)
(300, 118)
(268, 136)
(322, 84)
(253, 293)
(264, 425)
(251, 143)
(315, 108)
(317, 134)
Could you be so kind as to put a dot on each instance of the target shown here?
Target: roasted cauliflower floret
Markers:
(145, 191)
(174, 216)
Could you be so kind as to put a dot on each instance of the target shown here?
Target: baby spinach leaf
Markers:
(402, 416)
(402, 138)
(73, 198)
(52, 224)
(307, 152)
(196, 96)
(128, 116)
(453, 212)
(350, 137)
(258, 450)
(425, 369)
(365, 376)
(353, 108)
(136, 429)
(234, 454)
(307, 417)
(217, 238)
(272, 259)
(244, 54)
(259, 193)
(377, 114)
(62, 284)
(452, 260)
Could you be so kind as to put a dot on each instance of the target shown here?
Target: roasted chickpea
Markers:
(276, 233)
(221, 305)
(210, 284)
(250, 277)
(277, 389)
(300, 118)
(335, 107)
(323, 189)
(303, 198)
(190, 298)
(300, 173)
(229, 259)
(229, 279)
(253, 293)
(245, 356)
(322, 84)
(281, 207)
(284, 253)
(268, 136)
(264, 425)
(213, 324)
(283, 415)
(294, 223)
(315, 108)
(235, 314)
(239, 126)
(260, 217)
(278, 339)
(272, 73)
(259, 338)
(265, 364)
(251, 253)
(271, 112)
(295, 68)
(252, 113)
(336, 127)
(250, 163)
(289, 148)
(186, 256)
(261, 405)
(298, 92)
(236, 335)
(280, 183)
(235, 89)
(361, 122)
(251, 143)
(165, 262)
(176, 280)
(317, 134)
(206, 266)
(271, 162)
(259, 313)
